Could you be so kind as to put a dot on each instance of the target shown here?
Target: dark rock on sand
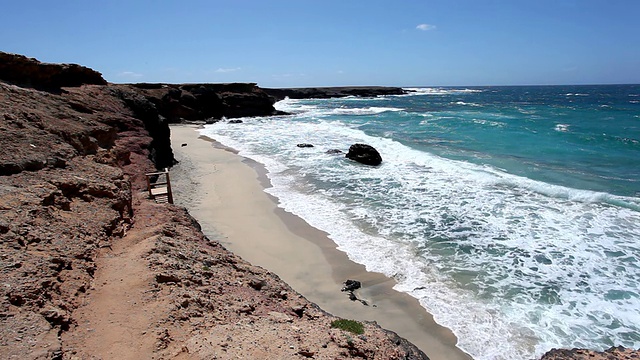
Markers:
(365, 154)
(351, 285)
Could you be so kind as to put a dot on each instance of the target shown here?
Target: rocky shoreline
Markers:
(84, 251)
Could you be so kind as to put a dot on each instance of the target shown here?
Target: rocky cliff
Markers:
(91, 268)
(24, 71)
(90, 264)
(334, 92)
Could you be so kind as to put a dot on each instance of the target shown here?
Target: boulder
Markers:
(351, 285)
(365, 154)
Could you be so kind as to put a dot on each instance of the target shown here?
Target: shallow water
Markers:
(510, 213)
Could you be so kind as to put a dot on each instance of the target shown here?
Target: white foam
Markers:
(438, 91)
(300, 107)
(371, 110)
(505, 241)
(467, 104)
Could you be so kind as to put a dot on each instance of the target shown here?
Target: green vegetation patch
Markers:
(353, 326)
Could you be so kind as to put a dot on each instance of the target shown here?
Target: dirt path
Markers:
(120, 317)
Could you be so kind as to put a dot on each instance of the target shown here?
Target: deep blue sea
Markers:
(511, 213)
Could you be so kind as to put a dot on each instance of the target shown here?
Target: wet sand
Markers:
(225, 193)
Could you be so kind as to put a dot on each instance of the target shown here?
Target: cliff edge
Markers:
(92, 268)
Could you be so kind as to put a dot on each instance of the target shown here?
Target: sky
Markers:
(302, 43)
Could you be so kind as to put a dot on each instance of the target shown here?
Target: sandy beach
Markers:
(225, 193)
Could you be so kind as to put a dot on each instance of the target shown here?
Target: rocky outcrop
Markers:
(29, 72)
(614, 353)
(160, 151)
(365, 154)
(333, 92)
(208, 101)
(65, 192)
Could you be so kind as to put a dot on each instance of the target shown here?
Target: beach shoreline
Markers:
(225, 193)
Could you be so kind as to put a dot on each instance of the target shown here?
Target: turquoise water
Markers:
(509, 212)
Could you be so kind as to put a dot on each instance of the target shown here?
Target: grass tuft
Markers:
(353, 326)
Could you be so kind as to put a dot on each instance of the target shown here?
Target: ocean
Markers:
(511, 213)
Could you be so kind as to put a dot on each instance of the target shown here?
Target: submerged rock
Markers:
(365, 154)
(304, 145)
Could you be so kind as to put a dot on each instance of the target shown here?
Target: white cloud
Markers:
(129, 74)
(425, 27)
(227, 70)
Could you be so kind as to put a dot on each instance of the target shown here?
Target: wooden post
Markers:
(169, 193)
(149, 184)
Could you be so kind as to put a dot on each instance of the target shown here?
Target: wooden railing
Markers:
(159, 186)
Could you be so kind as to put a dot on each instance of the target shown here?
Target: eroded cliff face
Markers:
(73, 198)
(66, 174)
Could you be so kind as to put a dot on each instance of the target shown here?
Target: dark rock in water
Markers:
(365, 154)
(352, 297)
(304, 145)
(351, 285)
(235, 121)
(334, 151)
(183, 144)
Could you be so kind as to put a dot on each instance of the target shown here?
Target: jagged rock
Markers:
(257, 283)
(166, 278)
(365, 154)
(613, 353)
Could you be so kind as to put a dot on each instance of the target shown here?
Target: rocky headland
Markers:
(334, 92)
(92, 268)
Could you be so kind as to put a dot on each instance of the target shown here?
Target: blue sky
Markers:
(330, 43)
